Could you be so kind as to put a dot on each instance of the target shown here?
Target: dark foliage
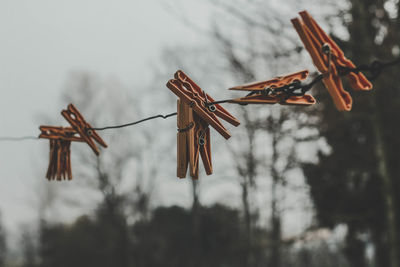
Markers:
(3, 246)
(355, 183)
(170, 238)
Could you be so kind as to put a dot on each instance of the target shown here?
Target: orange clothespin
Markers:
(202, 141)
(328, 58)
(60, 153)
(263, 92)
(185, 139)
(190, 93)
(78, 123)
(193, 119)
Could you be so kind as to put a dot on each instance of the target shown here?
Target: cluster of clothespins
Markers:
(60, 142)
(197, 110)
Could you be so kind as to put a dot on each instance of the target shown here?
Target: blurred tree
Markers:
(81, 244)
(355, 183)
(3, 245)
(103, 241)
(112, 224)
(124, 177)
(167, 239)
(244, 156)
(245, 61)
(28, 248)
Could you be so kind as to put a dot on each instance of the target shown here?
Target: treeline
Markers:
(171, 237)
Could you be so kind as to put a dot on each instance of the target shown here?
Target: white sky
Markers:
(41, 42)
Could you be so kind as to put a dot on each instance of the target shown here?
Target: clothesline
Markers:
(197, 111)
(294, 89)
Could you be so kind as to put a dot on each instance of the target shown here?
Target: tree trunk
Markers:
(387, 193)
(247, 219)
(196, 224)
(355, 248)
(275, 259)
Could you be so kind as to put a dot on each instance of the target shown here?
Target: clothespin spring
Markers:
(210, 107)
(326, 49)
(201, 134)
(89, 131)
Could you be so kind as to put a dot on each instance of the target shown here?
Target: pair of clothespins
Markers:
(197, 110)
(195, 115)
(60, 142)
(193, 139)
(329, 58)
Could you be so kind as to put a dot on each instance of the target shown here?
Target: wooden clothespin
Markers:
(60, 153)
(190, 93)
(263, 92)
(60, 142)
(194, 116)
(75, 118)
(329, 58)
(185, 140)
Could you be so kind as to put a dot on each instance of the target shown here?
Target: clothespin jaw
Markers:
(185, 139)
(78, 123)
(190, 93)
(60, 160)
(263, 91)
(328, 58)
(60, 154)
(202, 141)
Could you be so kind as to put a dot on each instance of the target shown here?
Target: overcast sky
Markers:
(41, 42)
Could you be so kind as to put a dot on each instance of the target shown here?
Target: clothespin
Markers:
(329, 58)
(185, 140)
(60, 142)
(60, 153)
(78, 123)
(195, 113)
(190, 93)
(263, 92)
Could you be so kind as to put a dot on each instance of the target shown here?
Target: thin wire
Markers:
(22, 138)
(16, 139)
(227, 100)
(375, 69)
(133, 123)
